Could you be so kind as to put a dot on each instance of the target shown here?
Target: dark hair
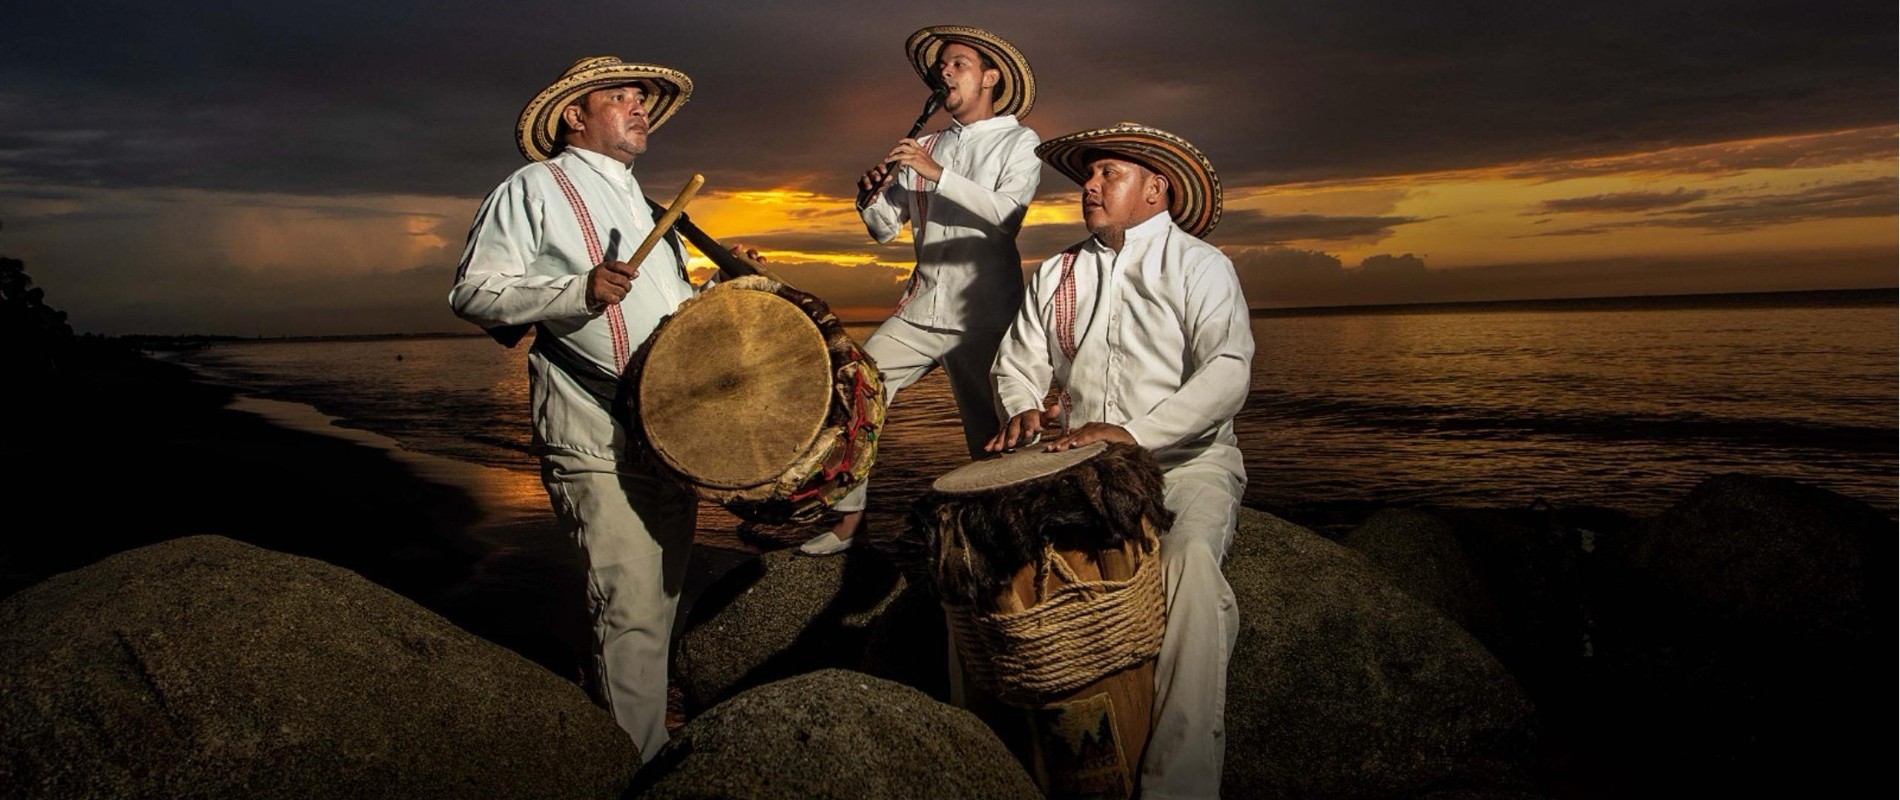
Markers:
(989, 63)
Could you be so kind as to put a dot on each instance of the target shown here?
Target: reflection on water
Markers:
(1624, 407)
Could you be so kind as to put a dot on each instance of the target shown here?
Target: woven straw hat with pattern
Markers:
(1019, 84)
(667, 89)
(1196, 203)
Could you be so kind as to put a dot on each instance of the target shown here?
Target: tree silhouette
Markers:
(34, 337)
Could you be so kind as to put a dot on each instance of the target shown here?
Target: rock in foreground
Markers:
(1343, 686)
(203, 667)
(835, 734)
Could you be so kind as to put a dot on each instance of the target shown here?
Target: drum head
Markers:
(735, 387)
(1013, 468)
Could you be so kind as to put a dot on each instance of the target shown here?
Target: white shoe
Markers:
(825, 544)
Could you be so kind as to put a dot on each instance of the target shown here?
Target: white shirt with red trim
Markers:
(968, 274)
(527, 261)
(1155, 338)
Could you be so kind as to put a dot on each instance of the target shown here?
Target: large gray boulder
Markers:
(1752, 642)
(834, 734)
(782, 615)
(203, 667)
(1776, 553)
(1343, 686)
(1422, 555)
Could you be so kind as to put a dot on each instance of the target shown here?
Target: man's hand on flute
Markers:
(908, 153)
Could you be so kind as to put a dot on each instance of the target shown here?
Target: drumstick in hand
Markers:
(671, 216)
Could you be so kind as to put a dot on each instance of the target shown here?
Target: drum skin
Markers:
(735, 390)
(753, 396)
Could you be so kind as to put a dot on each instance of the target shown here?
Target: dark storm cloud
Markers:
(1280, 277)
(1875, 197)
(1253, 227)
(420, 97)
(1805, 152)
(1622, 201)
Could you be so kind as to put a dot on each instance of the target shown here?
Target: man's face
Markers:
(1120, 194)
(611, 121)
(961, 69)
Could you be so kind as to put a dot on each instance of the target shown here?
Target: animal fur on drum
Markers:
(1096, 505)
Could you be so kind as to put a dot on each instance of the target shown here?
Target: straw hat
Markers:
(1196, 200)
(1019, 84)
(667, 90)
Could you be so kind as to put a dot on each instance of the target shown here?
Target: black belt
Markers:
(595, 379)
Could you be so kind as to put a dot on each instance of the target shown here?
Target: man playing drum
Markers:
(1143, 332)
(545, 251)
(964, 191)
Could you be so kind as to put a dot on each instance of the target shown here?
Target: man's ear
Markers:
(991, 76)
(572, 116)
(1158, 189)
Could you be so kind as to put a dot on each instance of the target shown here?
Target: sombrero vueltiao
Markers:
(1019, 84)
(667, 90)
(1196, 201)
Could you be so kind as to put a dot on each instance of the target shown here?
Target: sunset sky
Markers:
(291, 169)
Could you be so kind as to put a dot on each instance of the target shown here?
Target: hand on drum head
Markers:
(1089, 434)
(608, 283)
(1023, 429)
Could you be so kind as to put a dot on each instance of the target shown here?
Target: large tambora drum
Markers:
(1048, 568)
(753, 395)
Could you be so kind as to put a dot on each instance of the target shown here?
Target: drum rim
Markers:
(1052, 464)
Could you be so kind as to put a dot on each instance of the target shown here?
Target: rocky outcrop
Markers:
(780, 616)
(1342, 685)
(835, 734)
(1774, 553)
(1422, 556)
(203, 667)
(1747, 650)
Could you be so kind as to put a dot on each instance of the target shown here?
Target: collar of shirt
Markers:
(1150, 227)
(981, 125)
(620, 174)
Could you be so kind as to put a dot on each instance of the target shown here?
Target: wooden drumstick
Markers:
(666, 221)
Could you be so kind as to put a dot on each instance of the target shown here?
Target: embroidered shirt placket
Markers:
(615, 321)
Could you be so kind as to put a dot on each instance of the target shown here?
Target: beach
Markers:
(117, 451)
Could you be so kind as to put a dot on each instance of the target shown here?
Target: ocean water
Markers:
(1622, 403)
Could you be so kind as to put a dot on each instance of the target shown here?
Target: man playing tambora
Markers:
(1143, 333)
(545, 251)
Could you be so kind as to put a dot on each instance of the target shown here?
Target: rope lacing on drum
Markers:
(1081, 632)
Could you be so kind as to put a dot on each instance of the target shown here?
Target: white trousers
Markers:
(635, 530)
(1190, 738)
(905, 352)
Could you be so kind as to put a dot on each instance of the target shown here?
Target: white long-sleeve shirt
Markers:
(527, 261)
(1161, 340)
(969, 274)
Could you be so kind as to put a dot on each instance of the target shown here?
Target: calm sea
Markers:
(1621, 403)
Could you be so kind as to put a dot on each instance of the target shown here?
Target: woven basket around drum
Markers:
(1081, 632)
